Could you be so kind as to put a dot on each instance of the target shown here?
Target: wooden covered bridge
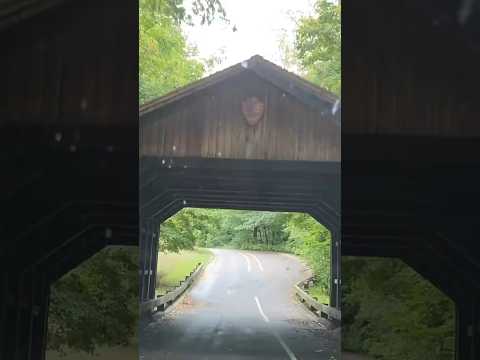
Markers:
(69, 160)
(253, 136)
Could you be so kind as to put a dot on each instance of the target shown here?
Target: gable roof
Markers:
(304, 91)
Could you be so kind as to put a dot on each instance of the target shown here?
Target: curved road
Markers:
(242, 307)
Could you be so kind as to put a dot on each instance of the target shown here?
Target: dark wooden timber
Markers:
(69, 151)
(205, 119)
(411, 145)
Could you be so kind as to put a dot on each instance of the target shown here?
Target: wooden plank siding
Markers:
(402, 80)
(209, 124)
(60, 74)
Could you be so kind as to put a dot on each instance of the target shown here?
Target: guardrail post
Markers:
(162, 302)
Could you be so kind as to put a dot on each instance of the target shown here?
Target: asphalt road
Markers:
(242, 307)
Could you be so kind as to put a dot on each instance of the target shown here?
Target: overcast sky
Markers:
(259, 25)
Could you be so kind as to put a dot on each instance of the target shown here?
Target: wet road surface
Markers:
(241, 307)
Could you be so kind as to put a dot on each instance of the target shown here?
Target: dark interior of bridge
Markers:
(69, 135)
(69, 125)
(410, 145)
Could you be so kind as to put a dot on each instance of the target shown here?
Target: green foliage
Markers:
(311, 240)
(318, 45)
(96, 304)
(165, 60)
(189, 228)
(319, 293)
(101, 353)
(206, 10)
(392, 313)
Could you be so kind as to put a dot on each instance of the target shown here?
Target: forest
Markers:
(389, 312)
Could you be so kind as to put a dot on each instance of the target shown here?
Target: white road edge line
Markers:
(285, 347)
(248, 262)
(290, 353)
(258, 262)
(261, 310)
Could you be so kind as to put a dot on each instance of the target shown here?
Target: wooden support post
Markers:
(476, 327)
(153, 261)
(146, 260)
(22, 316)
(468, 328)
(141, 265)
(335, 274)
(11, 307)
(24, 308)
(39, 320)
(5, 301)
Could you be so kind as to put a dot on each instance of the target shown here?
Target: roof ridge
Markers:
(254, 64)
(193, 85)
(324, 91)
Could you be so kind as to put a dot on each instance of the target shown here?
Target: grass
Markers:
(173, 267)
(353, 356)
(319, 294)
(106, 353)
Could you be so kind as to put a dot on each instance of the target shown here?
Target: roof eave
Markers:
(306, 92)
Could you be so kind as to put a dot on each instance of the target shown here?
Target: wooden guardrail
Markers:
(162, 302)
(321, 309)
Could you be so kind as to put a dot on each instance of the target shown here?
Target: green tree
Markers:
(95, 304)
(318, 45)
(392, 313)
(166, 61)
(206, 10)
(312, 241)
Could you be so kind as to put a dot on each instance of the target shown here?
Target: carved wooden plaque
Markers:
(252, 109)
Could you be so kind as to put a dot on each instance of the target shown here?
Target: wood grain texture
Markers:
(66, 74)
(209, 123)
(411, 78)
